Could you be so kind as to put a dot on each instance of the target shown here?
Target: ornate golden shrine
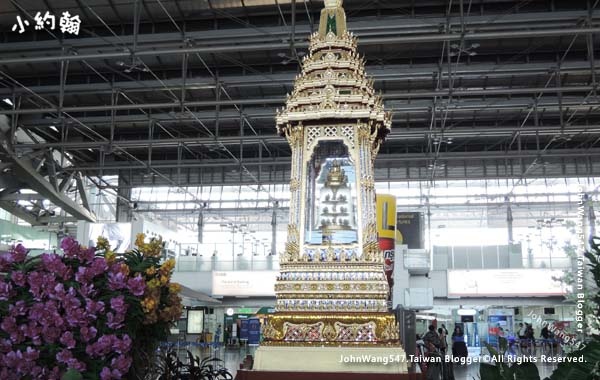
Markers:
(332, 290)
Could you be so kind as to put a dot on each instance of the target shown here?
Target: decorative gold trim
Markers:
(294, 184)
(383, 325)
(368, 183)
(336, 266)
(280, 343)
(339, 295)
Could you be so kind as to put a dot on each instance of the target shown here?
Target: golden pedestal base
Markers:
(331, 342)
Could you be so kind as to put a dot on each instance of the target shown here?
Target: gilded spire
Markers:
(333, 83)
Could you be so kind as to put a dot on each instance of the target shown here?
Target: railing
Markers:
(415, 262)
(208, 264)
(547, 262)
(533, 347)
(496, 257)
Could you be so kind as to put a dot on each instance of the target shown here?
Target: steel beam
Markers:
(20, 212)
(382, 160)
(397, 134)
(417, 110)
(390, 73)
(404, 172)
(237, 48)
(81, 190)
(36, 182)
(21, 197)
(390, 25)
(24, 169)
(281, 100)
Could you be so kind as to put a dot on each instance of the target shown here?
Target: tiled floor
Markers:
(232, 358)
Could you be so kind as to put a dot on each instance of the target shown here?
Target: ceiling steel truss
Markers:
(182, 92)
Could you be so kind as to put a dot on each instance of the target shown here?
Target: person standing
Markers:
(433, 344)
(521, 332)
(432, 339)
(445, 334)
(500, 332)
(530, 337)
(545, 335)
(443, 341)
(459, 347)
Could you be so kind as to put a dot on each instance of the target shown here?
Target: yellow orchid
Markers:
(158, 305)
(110, 257)
(139, 241)
(174, 287)
(148, 304)
(102, 243)
(153, 284)
(124, 269)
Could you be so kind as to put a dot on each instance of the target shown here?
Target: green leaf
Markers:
(579, 371)
(491, 349)
(592, 257)
(489, 372)
(526, 371)
(72, 374)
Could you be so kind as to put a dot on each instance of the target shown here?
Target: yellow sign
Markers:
(386, 216)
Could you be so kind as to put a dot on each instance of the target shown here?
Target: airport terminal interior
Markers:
(397, 164)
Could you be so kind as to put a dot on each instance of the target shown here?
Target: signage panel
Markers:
(244, 283)
(195, 321)
(410, 231)
(505, 282)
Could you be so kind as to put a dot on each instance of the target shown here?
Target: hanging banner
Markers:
(386, 231)
(410, 230)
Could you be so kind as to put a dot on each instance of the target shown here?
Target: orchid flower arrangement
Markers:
(83, 312)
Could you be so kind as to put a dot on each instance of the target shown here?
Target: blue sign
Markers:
(244, 329)
(253, 331)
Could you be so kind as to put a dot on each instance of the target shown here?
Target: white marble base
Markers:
(362, 359)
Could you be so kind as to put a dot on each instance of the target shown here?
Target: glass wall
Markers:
(237, 220)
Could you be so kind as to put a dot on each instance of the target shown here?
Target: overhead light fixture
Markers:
(8, 101)
(54, 128)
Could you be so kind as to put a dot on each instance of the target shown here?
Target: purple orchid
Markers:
(136, 285)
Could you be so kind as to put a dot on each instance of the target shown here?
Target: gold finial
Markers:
(333, 19)
(333, 3)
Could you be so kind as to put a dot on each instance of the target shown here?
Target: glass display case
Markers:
(331, 194)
